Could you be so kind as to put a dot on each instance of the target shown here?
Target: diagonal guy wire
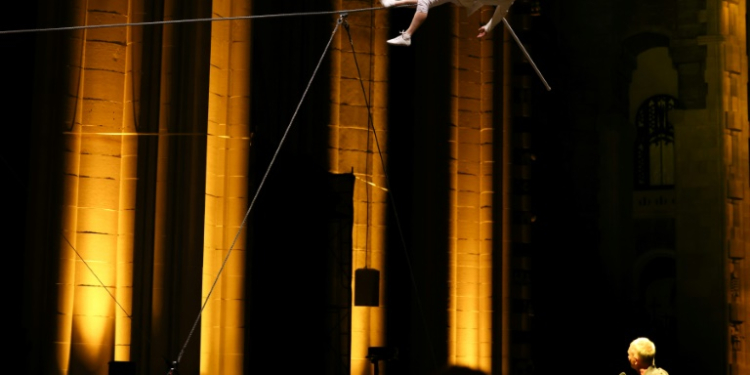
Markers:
(260, 186)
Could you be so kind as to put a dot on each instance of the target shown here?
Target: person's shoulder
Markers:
(656, 371)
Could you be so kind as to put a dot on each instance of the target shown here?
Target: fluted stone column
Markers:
(228, 144)
(472, 195)
(100, 158)
(354, 147)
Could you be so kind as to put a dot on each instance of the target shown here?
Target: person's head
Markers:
(641, 353)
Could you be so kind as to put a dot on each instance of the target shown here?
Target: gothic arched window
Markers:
(654, 144)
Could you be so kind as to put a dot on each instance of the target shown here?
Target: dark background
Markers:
(18, 64)
(580, 319)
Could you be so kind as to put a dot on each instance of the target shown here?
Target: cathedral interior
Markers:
(284, 190)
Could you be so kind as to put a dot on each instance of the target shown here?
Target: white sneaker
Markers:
(387, 3)
(402, 40)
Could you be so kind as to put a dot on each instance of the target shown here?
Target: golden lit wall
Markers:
(712, 186)
(733, 64)
(228, 144)
(472, 197)
(95, 281)
(352, 148)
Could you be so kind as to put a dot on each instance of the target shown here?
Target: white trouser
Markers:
(425, 5)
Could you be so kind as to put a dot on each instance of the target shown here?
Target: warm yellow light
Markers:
(93, 323)
(228, 153)
(471, 201)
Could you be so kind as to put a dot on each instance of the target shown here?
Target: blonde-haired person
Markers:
(641, 355)
(423, 7)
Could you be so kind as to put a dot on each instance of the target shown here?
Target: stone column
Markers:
(228, 150)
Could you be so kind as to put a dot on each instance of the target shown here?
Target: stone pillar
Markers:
(471, 196)
(357, 143)
(99, 184)
(228, 150)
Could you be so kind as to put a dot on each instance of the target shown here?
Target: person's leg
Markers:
(420, 15)
(416, 21)
(393, 3)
